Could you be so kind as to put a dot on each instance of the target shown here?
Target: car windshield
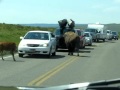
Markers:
(37, 35)
(114, 33)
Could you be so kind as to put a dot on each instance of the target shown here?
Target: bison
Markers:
(72, 41)
(7, 46)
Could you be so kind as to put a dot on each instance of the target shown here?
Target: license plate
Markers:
(31, 51)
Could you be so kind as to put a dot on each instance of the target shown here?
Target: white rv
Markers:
(100, 31)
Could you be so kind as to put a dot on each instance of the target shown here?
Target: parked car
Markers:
(37, 42)
(60, 42)
(93, 32)
(115, 35)
(82, 37)
(60, 39)
(109, 34)
(88, 38)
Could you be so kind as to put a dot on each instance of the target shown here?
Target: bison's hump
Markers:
(70, 36)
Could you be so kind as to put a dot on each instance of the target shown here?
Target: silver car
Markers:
(88, 38)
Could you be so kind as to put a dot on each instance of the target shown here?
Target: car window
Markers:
(37, 35)
(91, 30)
(114, 33)
(79, 33)
(57, 32)
(87, 34)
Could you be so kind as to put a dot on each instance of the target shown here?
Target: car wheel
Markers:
(21, 55)
(49, 55)
(53, 54)
(90, 44)
(103, 40)
(83, 46)
(97, 40)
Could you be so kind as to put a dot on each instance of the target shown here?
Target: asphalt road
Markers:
(98, 62)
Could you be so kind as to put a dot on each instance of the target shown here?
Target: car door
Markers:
(53, 41)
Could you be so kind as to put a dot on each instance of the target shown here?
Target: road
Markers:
(98, 62)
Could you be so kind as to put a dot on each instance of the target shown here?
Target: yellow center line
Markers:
(38, 81)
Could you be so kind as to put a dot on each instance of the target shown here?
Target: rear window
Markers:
(91, 30)
(87, 34)
(79, 33)
(57, 31)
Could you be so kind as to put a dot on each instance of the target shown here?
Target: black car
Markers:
(60, 39)
(115, 35)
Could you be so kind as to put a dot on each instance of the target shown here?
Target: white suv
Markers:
(37, 42)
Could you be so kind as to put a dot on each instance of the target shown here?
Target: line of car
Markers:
(46, 42)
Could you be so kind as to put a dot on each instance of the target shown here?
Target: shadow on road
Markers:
(88, 48)
(84, 51)
(12, 61)
(84, 56)
(62, 50)
(94, 45)
(44, 56)
(110, 41)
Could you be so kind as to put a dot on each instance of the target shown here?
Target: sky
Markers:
(51, 11)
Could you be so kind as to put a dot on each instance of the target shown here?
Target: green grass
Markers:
(12, 33)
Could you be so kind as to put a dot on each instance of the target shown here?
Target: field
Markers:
(12, 32)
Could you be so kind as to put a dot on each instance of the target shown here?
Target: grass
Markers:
(12, 33)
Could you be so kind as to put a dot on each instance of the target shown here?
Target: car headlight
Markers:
(22, 45)
(44, 45)
(88, 39)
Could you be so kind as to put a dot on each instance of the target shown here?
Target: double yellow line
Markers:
(38, 81)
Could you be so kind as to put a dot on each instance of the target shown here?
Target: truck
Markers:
(98, 31)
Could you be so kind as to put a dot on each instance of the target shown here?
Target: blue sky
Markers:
(50, 11)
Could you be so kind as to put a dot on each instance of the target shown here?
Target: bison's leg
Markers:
(77, 51)
(68, 46)
(12, 52)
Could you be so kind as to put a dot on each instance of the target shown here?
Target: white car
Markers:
(37, 42)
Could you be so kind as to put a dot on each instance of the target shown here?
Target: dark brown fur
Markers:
(8, 46)
(72, 41)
